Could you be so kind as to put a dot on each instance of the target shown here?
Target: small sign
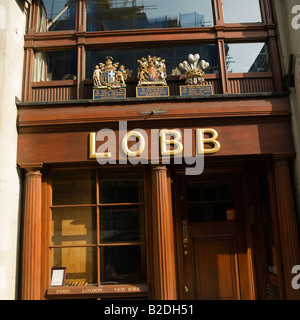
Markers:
(202, 90)
(58, 276)
(152, 91)
(101, 94)
(230, 214)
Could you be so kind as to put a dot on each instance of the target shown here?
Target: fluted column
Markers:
(163, 236)
(287, 222)
(31, 249)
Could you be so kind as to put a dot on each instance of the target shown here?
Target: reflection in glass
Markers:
(172, 54)
(121, 224)
(73, 226)
(73, 187)
(57, 15)
(80, 263)
(104, 15)
(123, 264)
(55, 65)
(241, 11)
(247, 57)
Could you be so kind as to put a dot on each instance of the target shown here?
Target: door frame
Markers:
(246, 285)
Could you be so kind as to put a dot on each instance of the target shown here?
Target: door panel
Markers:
(215, 268)
(213, 247)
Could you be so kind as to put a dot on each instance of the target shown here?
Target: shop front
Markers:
(176, 198)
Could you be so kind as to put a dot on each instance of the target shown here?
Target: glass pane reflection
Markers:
(57, 15)
(241, 11)
(247, 57)
(104, 15)
(121, 264)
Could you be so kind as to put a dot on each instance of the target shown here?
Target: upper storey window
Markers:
(104, 15)
(247, 57)
(56, 15)
(241, 11)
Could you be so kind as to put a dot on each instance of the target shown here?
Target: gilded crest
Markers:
(152, 72)
(194, 69)
(107, 75)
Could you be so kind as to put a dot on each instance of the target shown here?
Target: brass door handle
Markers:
(185, 237)
(186, 289)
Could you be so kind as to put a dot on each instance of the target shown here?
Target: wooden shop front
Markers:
(155, 228)
(149, 229)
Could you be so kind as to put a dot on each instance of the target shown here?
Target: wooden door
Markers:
(212, 248)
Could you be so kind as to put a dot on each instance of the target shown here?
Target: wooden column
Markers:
(31, 260)
(163, 236)
(287, 223)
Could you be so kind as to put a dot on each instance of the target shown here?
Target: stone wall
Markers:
(12, 30)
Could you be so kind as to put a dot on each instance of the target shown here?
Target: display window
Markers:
(98, 226)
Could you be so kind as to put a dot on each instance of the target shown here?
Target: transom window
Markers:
(98, 226)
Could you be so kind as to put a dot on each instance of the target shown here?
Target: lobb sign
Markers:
(157, 146)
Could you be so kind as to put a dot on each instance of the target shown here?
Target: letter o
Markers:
(125, 143)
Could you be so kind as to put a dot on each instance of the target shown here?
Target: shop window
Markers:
(105, 15)
(55, 65)
(56, 15)
(247, 57)
(173, 55)
(242, 11)
(98, 229)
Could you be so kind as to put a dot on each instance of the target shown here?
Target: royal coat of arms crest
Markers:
(107, 75)
(152, 72)
(194, 69)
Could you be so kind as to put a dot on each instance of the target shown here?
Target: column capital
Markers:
(159, 167)
(32, 168)
(282, 159)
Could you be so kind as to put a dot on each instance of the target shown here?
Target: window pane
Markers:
(123, 264)
(226, 190)
(241, 11)
(121, 191)
(56, 65)
(121, 224)
(247, 57)
(194, 191)
(199, 212)
(80, 263)
(73, 187)
(104, 15)
(172, 54)
(57, 15)
(73, 226)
